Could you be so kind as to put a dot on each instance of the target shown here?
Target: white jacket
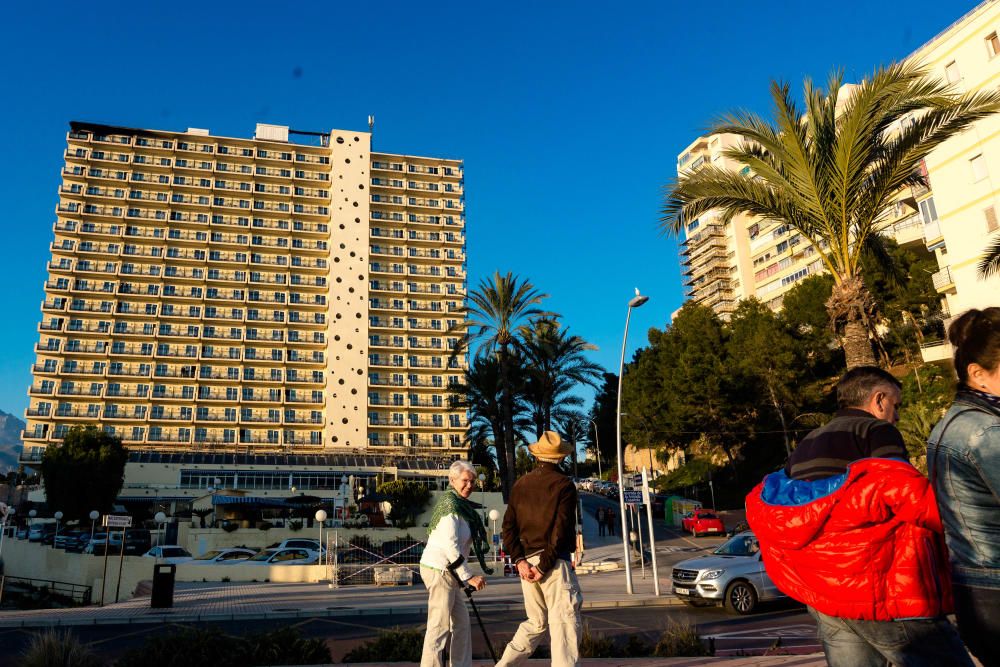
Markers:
(450, 539)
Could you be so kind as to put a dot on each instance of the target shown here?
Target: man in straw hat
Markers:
(539, 532)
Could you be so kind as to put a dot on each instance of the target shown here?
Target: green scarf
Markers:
(452, 503)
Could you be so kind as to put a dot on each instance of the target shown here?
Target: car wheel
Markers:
(741, 598)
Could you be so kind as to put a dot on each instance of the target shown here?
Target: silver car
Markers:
(732, 575)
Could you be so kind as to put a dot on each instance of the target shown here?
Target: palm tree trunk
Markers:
(850, 302)
(857, 345)
(507, 400)
(500, 445)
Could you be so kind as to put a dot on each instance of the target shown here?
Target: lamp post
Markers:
(58, 517)
(160, 519)
(94, 516)
(494, 515)
(320, 518)
(634, 302)
(216, 483)
(482, 492)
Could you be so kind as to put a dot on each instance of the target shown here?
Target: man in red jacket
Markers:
(851, 529)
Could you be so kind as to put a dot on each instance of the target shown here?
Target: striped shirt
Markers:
(852, 434)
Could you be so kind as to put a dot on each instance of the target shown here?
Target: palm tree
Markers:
(555, 365)
(831, 170)
(990, 263)
(500, 310)
(572, 427)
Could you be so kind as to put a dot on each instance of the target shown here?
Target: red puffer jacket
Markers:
(863, 545)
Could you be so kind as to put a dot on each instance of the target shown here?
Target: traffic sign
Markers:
(633, 497)
(112, 521)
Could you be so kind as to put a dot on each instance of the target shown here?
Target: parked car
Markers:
(102, 541)
(221, 556)
(22, 533)
(703, 522)
(137, 541)
(169, 553)
(71, 539)
(733, 575)
(284, 557)
(39, 531)
(298, 543)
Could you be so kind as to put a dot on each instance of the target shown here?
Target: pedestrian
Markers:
(601, 526)
(963, 461)
(455, 528)
(578, 555)
(609, 519)
(538, 527)
(852, 530)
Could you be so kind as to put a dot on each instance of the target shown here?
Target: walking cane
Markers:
(468, 593)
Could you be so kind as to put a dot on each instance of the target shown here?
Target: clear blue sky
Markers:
(569, 115)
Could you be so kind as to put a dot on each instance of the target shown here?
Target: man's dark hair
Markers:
(859, 383)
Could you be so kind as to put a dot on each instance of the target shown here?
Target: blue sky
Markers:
(569, 115)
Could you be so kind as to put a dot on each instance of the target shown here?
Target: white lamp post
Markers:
(597, 446)
(58, 516)
(320, 518)
(94, 516)
(482, 492)
(494, 515)
(634, 302)
(160, 519)
(216, 485)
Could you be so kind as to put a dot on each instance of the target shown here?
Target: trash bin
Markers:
(162, 596)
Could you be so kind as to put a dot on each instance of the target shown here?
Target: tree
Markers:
(761, 350)
(408, 500)
(500, 310)
(554, 365)
(85, 473)
(831, 170)
(603, 414)
(572, 427)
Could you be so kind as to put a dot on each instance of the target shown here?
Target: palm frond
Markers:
(989, 265)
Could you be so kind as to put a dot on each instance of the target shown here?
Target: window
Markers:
(951, 72)
(991, 218)
(978, 165)
(927, 211)
(992, 44)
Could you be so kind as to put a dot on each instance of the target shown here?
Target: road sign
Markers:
(112, 521)
(633, 497)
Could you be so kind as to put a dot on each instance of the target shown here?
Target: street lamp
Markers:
(216, 483)
(160, 519)
(58, 516)
(494, 515)
(597, 446)
(634, 302)
(482, 491)
(94, 516)
(320, 518)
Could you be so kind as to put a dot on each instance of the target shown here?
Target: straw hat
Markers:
(551, 448)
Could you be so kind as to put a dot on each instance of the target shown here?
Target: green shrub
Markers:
(230, 526)
(265, 525)
(55, 648)
(680, 640)
(294, 526)
(395, 645)
(211, 646)
(595, 646)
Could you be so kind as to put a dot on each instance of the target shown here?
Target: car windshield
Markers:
(706, 515)
(264, 555)
(740, 545)
(208, 556)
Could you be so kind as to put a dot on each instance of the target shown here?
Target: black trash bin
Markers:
(163, 586)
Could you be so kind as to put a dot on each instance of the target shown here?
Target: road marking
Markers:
(789, 631)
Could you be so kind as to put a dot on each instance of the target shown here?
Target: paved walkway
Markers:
(813, 660)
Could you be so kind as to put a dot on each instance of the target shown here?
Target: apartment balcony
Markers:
(39, 390)
(130, 393)
(386, 382)
(129, 371)
(933, 236)
(77, 413)
(937, 352)
(943, 281)
(174, 395)
(909, 230)
(304, 399)
(293, 419)
(38, 412)
(99, 348)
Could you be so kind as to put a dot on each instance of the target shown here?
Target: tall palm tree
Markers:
(499, 312)
(555, 365)
(831, 169)
(572, 427)
(989, 265)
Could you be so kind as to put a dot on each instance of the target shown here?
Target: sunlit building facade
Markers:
(287, 293)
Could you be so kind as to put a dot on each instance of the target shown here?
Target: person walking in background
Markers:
(963, 462)
(609, 520)
(539, 530)
(852, 530)
(601, 526)
(455, 528)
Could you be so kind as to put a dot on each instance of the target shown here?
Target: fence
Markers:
(20, 587)
(356, 560)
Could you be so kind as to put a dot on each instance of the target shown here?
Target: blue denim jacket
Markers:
(963, 462)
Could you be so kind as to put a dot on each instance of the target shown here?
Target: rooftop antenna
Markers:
(371, 125)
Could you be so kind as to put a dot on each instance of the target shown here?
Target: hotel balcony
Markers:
(943, 281)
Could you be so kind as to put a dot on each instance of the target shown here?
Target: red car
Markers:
(703, 522)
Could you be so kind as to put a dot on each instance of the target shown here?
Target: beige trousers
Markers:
(446, 615)
(552, 604)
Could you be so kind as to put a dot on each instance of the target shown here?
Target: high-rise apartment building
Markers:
(290, 293)
(955, 217)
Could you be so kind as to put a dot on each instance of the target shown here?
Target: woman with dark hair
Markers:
(963, 461)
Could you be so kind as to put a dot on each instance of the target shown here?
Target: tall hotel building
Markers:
(289, 293)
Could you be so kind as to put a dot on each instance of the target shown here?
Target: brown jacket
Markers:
(540, 517)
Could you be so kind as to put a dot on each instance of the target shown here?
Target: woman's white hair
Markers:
(459, 467)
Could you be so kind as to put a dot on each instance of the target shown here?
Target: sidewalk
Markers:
(812, 660)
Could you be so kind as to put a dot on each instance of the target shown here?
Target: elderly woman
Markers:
(963, 462)
(455, 527)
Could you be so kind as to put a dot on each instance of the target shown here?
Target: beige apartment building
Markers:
(955, 217)
(289, 294)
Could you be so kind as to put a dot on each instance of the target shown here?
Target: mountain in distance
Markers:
(10, 440)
